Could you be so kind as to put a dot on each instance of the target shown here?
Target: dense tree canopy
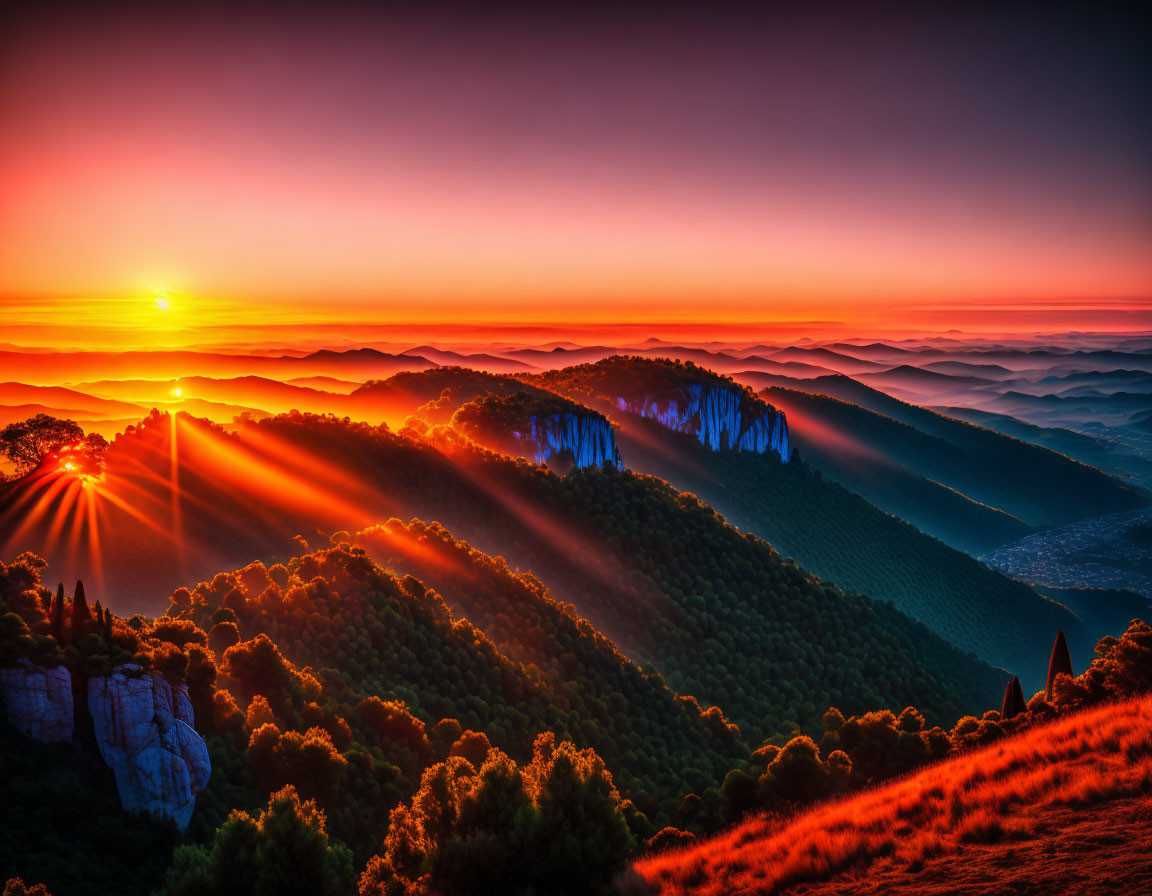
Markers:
(478, 821)
(404, 702)
(284, 851)
(837, 535)
(555, 825)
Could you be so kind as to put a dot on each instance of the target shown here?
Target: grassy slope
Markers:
(1080, 851)
(1019, 809)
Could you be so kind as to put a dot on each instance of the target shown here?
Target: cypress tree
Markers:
(1008, 705)
(1059, 664)
(1013, 703)
(107, 629)
(81, 615)
(56, 613)
(1018, 698)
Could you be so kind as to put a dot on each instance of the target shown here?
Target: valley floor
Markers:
(1090, 553)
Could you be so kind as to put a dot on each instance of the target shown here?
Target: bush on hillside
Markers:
(554, 826)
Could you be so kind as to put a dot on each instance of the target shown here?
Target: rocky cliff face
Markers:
(143, 729)
(715, 416)
(38, 700)
(590, 439)
(145, 734)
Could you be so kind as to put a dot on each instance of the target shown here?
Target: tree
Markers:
(56, 613)
(839, 770)
(1123, 666)
(180, 632)
(554, 826)
(258, 667)
(1008, 705)
(739, 794)
(796, 775)
(222, 636)
(284, 852)
(473, 746)
(581, 838)
(392, 722)
(1013, 703)
(1059, 664)
(81, 615)
(30, 443)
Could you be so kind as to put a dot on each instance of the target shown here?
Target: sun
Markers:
(177, 392)
(162, 304)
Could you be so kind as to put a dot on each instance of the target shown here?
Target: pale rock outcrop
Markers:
(715, 415)
(589, 438)
(38, 700)
(145, 734)
(183, 707)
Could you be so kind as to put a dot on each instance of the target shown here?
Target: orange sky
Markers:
(186, 321)
(285, 173)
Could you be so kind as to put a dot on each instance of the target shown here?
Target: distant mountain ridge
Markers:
(1026, 481)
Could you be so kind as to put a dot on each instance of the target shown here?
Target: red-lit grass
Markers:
(1005, 794)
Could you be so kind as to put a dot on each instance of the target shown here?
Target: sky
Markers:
(171, 176)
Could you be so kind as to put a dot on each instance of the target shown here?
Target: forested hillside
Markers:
(348, 684)
(365, 632)
(1087, 449)
(596, 653)
(436, 392)
(881, 459)
(1039, 486)
(721, 615)
(345, 683)
(845, 539)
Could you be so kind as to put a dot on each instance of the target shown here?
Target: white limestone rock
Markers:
(160, 762)
(183, 707)
(714, 415)
(589, 438)
(38, 700)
